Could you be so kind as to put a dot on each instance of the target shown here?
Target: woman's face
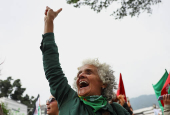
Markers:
(88, 82)
(52, 107)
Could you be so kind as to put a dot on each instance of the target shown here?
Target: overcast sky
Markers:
(136, 47)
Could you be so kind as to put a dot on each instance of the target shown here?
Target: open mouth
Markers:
(48, 108)
(83, 84)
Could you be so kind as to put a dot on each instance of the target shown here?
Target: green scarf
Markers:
(96, 102)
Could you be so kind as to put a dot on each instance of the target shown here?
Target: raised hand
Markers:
(166, 99)
(50, 14)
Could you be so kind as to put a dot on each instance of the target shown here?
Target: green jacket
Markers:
(68, 101)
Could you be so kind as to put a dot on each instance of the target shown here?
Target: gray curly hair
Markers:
(106, 75)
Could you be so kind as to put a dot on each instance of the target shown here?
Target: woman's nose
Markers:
(81, 75)
(47, 103)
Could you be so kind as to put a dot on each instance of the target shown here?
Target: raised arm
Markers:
(58, 83)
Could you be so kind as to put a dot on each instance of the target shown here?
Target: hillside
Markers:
(143, 101)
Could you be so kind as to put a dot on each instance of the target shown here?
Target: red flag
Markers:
(121, 89)
(165, 88)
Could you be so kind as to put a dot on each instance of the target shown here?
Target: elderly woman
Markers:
(94, 81)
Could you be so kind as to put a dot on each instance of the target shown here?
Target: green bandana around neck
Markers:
(96, 102)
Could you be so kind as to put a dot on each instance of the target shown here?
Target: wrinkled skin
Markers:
(89, 75)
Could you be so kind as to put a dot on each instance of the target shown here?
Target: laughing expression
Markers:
(88, 82)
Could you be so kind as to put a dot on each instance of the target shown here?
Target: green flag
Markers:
(158, 87)
(39, 110)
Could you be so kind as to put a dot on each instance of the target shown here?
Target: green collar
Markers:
(96, 102)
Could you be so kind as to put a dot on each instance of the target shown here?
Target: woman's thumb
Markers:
(58, 11)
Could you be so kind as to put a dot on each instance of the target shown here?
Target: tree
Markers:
(127, 7)
(15, 91)
(29, 101)
(6, 87)
(5, 110)
(17, 95)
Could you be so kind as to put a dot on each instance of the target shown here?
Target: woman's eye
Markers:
(88, 73)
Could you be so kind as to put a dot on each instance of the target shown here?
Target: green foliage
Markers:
(29, 101)
(15, 91)
(127, 7)
(17, 95)
(4, 108)
(5, 87)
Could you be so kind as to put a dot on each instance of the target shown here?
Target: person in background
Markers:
(166, 100)
(52, 106)
(129, 105)
(123, 103)
(120, 99)
(156, 111)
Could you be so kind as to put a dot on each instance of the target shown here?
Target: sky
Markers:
(138, 47)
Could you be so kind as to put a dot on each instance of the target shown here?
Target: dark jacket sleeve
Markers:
(127, 108)
(119, 109)
(58, 83)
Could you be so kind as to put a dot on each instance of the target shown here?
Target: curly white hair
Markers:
(106, 75)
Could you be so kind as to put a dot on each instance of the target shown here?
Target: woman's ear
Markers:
(104, 86)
